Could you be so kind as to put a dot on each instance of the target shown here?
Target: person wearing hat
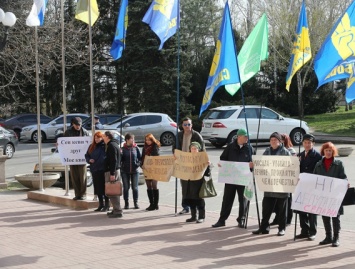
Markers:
(308, 160)
(97, 123)
(77, 172)
(272, 199)
(237, 151)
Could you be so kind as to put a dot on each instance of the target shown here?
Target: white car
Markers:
(29, 133)
(221, 124)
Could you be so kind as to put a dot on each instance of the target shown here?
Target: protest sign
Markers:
(276, 173)
(237, 173)
(72, 149)
(158, 167)
(190, 165)
(319, 195)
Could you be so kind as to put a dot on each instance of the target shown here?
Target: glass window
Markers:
(135, 121)
(251, 113)
(220, 114)
(28, 118)
(152, 119)
(268, 114)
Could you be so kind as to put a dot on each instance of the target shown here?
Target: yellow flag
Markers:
(82, 11)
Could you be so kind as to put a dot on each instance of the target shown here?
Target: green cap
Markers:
(242, 132)
(195, 144)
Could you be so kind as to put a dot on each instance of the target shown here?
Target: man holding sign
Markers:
(237, 151)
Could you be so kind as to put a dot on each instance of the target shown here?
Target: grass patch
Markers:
(340, 122)
(13, 185)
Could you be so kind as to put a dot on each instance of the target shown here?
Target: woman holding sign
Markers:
(151, 148)
(331, 167)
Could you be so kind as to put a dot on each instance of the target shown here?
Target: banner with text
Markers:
(237, 173)
(190, 165)
(319, 195)
(72, 149)
(276, 173)
(158, 167)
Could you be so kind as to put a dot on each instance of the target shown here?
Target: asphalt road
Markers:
(26, 156)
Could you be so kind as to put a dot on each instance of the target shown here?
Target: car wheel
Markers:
(35, 136)
(167, 139)
(9, 150)
(231, 136)
(296, 136)
(217, 145)
(89, 180)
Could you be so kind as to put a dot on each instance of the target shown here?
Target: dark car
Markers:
(104, 119)
(16, 123)
(8, 142)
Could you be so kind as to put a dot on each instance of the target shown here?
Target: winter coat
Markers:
(191, 188)
(195, 137)
(98, 154)
(131, 159)
(73, 132)
(113, 156)
(308, 163)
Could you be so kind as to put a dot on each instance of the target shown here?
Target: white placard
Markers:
(72, 149)
(237, 173)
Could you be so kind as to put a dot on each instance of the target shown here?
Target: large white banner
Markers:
(319, 195)
(72, 149)
(237, 173)
(274, 173)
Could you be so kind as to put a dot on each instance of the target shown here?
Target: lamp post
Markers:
(8, 19)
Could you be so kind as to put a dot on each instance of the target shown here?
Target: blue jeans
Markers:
(129, 180)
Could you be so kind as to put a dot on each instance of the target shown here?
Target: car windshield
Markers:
(220, 114)
(119, 120)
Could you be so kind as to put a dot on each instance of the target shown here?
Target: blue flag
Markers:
(337, 47)
(224, 69)
(119, 41)
(163, 17)
(36, 16)
(301, 52)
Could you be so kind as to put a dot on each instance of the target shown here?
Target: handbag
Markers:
(349, 198)
(113, 188)
(207, 189)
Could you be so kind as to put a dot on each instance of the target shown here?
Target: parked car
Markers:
(16, 123)
(221, 124)
(140, 124)
(48, 130)
(8, 142)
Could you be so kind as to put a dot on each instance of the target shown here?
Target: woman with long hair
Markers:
(151, 148)
(95, 156)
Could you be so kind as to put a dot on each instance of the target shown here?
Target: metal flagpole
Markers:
(39, 134)
(91, 74)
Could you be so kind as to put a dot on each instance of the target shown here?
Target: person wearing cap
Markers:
(272, 199)
(183, 141)
(77, 172)
(308, 160)
(237, 151)
(191, 189)
(97, 123)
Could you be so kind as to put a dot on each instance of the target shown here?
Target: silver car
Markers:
(139, 124)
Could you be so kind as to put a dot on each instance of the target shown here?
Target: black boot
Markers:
(336, 230)
(156, 199)
(126, 204)
(136, 206)
(193, 215)
(101, 203)
(107, 205)
(201, 215)
(151, 200)
(328, 232)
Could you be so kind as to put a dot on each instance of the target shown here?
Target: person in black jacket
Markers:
(238, 151)
(112, 170)
(308, 160)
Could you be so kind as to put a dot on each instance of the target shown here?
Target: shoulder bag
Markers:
(113, 188)
(207, 189)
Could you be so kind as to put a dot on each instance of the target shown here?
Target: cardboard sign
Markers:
(237, 173)
(319, 195)
(72, 149)
(276, 173)
(158, 167)
(190, 165)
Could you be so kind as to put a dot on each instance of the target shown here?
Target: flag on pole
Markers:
(119, 41)
(337, 47)
(163, 17)
(82, 11)
(224, 69)
(254, 50)
(301, 52)
(36, 16)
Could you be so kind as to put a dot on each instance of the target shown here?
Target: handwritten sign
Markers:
(319, 195)
(276, 173)
(158, 167)
(190, 165)
(237, 173)
(72, 149)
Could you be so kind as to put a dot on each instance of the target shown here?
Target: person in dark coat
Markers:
(95, 156)
(191, 192)
(308, 160)
(98, 125)
(331, 167)
(237, 151)
(77, 172)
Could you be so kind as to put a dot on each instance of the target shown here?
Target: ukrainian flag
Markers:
(301, 52)
(119, 41)
(82, 11)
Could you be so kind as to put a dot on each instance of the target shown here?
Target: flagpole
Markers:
(91, 74)
(39, 134)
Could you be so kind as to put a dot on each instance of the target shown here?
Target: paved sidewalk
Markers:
(42, 235)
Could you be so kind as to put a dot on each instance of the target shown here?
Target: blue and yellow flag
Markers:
(82, 11)
(163, 17)
(337, 47)
(224, 69)
(301, 52)
(119, 41)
